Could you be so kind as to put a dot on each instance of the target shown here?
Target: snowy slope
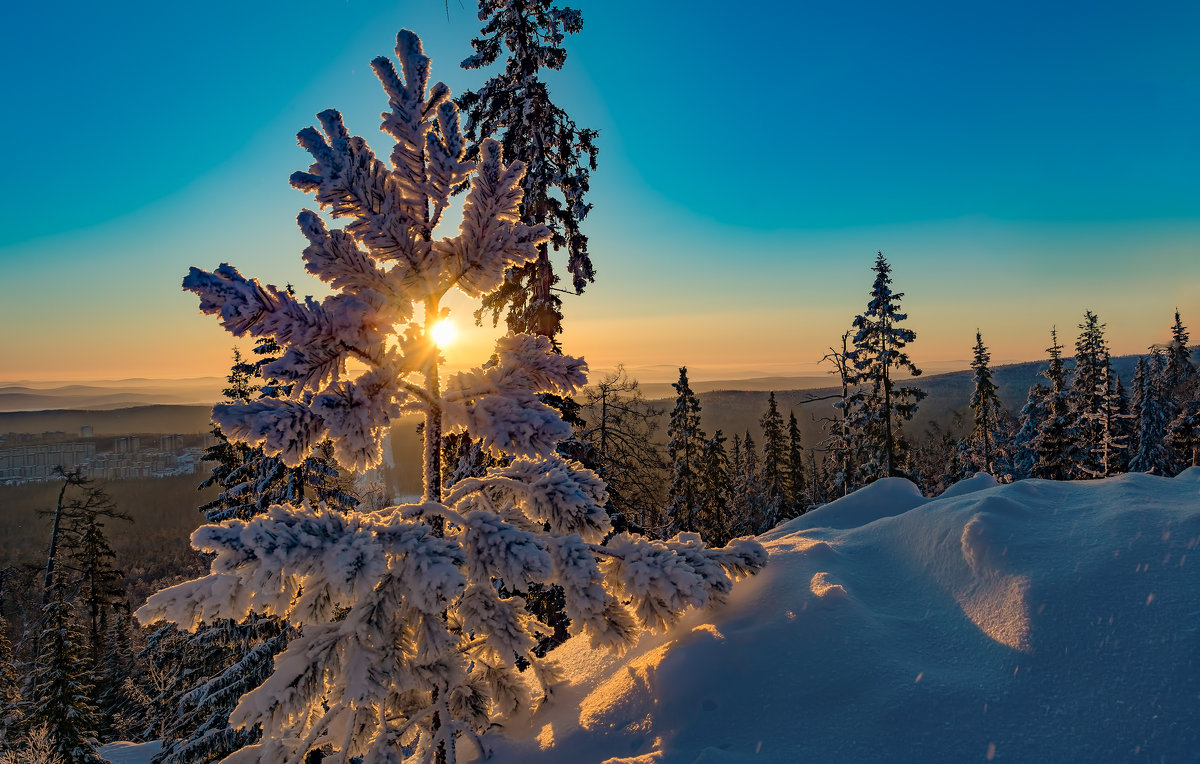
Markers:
(1037, 621)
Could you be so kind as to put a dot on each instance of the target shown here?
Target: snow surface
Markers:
(130, 753)
(1037, 621)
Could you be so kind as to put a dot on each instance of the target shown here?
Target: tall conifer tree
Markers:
(1090, 385)
(1179, 367)
(774, 464)
(878, 356)
(1054, 443)
(985, 404)
(60, 694)
(515, 108)
(797, 483)
(685, 453)
(717, 486)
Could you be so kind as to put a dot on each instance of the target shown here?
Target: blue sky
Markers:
(1017, 163)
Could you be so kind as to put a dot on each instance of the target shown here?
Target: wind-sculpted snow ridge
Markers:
(1035, 621)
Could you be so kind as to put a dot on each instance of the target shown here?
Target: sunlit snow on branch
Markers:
(413, 631)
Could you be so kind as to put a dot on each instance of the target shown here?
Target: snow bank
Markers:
(130, 753)
(1037, 621)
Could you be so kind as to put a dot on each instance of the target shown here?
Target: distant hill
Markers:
(134, 420)
(109, 394)
(736, 411)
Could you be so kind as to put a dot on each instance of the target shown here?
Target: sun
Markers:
(444, 333)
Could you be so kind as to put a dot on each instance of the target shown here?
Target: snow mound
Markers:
(129, 753)
(883, 498)
(1036, 621)
(979, 482)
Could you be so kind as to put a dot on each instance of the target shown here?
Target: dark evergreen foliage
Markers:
(223, 660)
(797, 499)
(1183, 435)
(515, 108)
(621, 432)
(774, 464)
(986, 407)
(59, 693)
(1090, 387)
(717, 491)
(684, 452)
(1054, 443)
(882, 405)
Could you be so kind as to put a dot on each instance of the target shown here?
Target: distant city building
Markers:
(127, 460)
(85, 431)
(30, 463)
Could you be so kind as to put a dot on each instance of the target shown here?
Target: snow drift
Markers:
(1034, 621)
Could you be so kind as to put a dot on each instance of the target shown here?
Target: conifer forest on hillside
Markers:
(998, 563)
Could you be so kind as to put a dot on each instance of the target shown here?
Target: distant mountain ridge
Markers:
(109, 394)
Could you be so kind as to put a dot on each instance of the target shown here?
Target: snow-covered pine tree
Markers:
(1181, 387)
(1089, 391)
(1149, 450)
(1054, 442)
(774, 463)
(938, 457)
(750, 506)
(227, 658)
(684, 452)
(1112, 420)
(1183, 434)
(797, 484)
(514, 106)
(1031, 421)
(843, 450)
(252, 481)
(406, 644)
(877, 356)
(59, 693)
(985, 405)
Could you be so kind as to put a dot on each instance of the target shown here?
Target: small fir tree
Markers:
(797, 484)
(407, 645)
(1183, 434)
(750, 509)
(1150, 411)
(717, 491)
(1054, 443)
(774, 463)
(878, 355)
(986, 407)
(1179, 368)
(1031, 421)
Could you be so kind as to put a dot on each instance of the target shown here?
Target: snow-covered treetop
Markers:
(381, 264)
(413, 626)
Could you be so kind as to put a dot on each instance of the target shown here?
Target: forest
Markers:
(319, 615)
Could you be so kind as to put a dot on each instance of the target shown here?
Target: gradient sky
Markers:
(1017, 163)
